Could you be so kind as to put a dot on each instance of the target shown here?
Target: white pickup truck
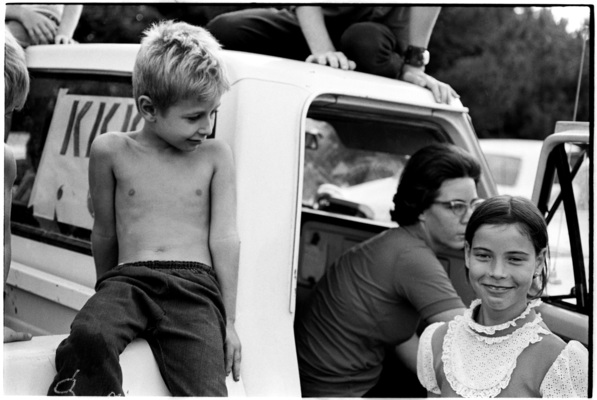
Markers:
(296, 129)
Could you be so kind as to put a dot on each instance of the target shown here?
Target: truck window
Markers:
(335, 171)
(46, 181)
(353, 160)
(49, 182)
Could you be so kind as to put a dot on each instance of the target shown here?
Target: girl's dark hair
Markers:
(424, 174)
(514, 210)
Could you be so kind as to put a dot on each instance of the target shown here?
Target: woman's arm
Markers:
(446, 316)
(322, 48)
(407, 352)
(421, 23)
(68, 23)
(420, 27)
(41, 29)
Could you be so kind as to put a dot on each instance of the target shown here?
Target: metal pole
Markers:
(584, 35)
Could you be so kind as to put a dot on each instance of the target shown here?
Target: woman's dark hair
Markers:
(424, 174)
(514, 210)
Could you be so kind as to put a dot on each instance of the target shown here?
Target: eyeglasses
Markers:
(458, 207)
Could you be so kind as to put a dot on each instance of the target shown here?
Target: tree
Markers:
(114, 23)
(515, 68)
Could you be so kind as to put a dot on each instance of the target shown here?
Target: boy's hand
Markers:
(12, 336)
(233, 355)
(442, 92)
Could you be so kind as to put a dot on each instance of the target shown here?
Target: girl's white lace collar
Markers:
(479, 366)
(490, 330)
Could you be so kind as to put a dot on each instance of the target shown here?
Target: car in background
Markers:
(513, 163)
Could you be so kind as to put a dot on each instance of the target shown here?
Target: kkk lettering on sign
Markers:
(61, 188)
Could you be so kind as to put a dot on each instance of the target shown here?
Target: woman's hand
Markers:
(442, 92)
(335, 59)
(41, 29)
(63, 39)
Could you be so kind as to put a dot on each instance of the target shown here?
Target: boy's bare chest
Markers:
(161, 180)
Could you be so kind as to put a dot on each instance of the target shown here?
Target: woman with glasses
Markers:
(374, 296)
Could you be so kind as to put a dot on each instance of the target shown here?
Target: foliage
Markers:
(122, 23)
(114, 23)
(515, 68)
(516, 71)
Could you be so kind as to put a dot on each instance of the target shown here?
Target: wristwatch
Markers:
(416, 56)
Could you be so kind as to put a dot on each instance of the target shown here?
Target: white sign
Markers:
(61, 188)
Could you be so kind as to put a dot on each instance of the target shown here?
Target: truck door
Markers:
(562, 194)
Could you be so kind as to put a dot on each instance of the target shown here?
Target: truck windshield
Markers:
(353, 166)
(50, 139)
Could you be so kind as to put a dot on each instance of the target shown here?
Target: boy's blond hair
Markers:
(178, 61)
(16, 76)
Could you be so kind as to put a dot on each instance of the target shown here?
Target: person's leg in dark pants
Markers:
(188, 342)
(266, 31)
(87, 362)
(372, 47)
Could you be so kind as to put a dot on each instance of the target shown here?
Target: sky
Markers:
(575, 16)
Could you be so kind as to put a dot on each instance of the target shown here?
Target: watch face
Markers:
(416, 56)
(425, 57)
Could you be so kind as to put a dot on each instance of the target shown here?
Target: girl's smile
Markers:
(498, 289)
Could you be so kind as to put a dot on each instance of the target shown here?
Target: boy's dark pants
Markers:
(176, 306)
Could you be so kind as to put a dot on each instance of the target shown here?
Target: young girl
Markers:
(500, 346)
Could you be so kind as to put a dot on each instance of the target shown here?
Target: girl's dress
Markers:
(475, 364)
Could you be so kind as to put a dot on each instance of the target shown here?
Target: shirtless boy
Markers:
(164, 238)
